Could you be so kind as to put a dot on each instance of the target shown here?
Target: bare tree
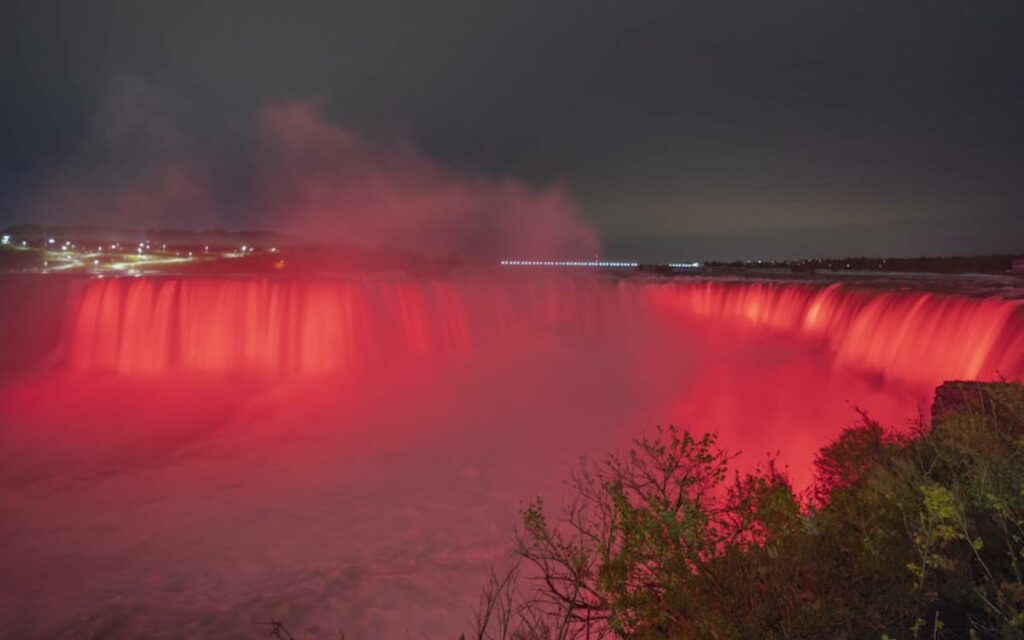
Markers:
(505, 612)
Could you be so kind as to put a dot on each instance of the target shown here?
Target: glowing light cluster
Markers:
(684, 265)
(602, 264)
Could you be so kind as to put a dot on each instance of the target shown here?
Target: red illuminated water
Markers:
(158, 325)
(910, 336)
(186, 457)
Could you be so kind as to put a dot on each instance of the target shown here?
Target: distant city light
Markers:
(570, 263)
(5, 239)
(684, 265)
(50, 241)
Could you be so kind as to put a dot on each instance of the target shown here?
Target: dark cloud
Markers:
(725, 125)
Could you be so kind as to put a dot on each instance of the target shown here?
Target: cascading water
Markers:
(157, 325)
(910, 336)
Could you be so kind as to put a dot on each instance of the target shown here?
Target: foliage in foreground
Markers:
(918, 536)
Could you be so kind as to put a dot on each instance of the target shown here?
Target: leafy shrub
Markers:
(900, 537)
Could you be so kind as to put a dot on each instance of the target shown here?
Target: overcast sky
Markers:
(680, 129)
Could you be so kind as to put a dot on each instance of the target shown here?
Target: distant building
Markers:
(1017, 266)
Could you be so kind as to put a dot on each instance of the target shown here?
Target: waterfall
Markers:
(321, 326)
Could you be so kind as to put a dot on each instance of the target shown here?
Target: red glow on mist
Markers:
(302, 174)
(316, 176)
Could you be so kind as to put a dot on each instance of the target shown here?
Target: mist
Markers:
(149, 162)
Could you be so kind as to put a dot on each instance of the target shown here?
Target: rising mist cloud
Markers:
(289, 168)
(318, 176)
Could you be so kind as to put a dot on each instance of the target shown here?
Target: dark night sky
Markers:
(682, 129)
